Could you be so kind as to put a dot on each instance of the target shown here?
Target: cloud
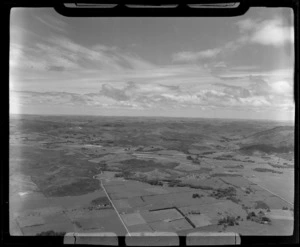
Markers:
(220, 65)
(56, 68)
(268, 32)
(272, 32)
(114, 93)
(271, 86)
(136, 62)
(255, 101)
(281, 87)
(42, 57)
(131, 95)
(235, 91)
(258, 95)
(59, 53)
(244, 68)
(56, 57)
(241, 74)
(83, 55)
(136, 92)
(230, 78)
(103, 56)
(246, 24)
(59, 98)
(53, 23)
(187, 56)
(15, 54)
(258, 86)
(151, 87)
(103, 76)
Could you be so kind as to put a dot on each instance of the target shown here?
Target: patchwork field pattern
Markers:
(125, 175)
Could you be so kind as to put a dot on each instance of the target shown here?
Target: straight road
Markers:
(114, 207)
(270, 191)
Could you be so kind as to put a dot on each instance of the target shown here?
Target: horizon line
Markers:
(154, 116)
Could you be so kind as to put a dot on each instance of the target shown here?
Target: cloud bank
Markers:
(108, 77)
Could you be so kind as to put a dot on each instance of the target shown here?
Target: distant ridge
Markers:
(279, 140)
(290, 122)
(270, 131)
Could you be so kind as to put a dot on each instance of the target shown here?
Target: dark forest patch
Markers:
(266, 170)
(77, 188)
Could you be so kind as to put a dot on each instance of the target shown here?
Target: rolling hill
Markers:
(276, 140)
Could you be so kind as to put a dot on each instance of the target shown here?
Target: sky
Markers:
(221, 67)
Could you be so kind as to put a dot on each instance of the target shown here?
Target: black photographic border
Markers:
(121, 10)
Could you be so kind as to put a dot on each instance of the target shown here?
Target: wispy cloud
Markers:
(136, 62)
(270, 75)
(58, 71)
(272, 32)
(187, 56)
(160, 87)
(60, 53)
(235, 91)
(246, 24)
(54, 23)
(258, 93)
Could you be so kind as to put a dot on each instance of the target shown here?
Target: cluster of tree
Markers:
(228, 193)
(209, 152)
(248, 190)
(101, 202)
(259, 218)
(119, 175)
(130, 176)
(102, 166)
(225, 157)
(155, 182)
(194, 160)
(286, 165)
(222, 193)
(244, 207)
(194, 212)
(261, 205)
(266, 170)
(124, 174)
(178, 183)
(268, 148)
(229, 221)
(225, 175)
(196, 195)
(234, 166)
